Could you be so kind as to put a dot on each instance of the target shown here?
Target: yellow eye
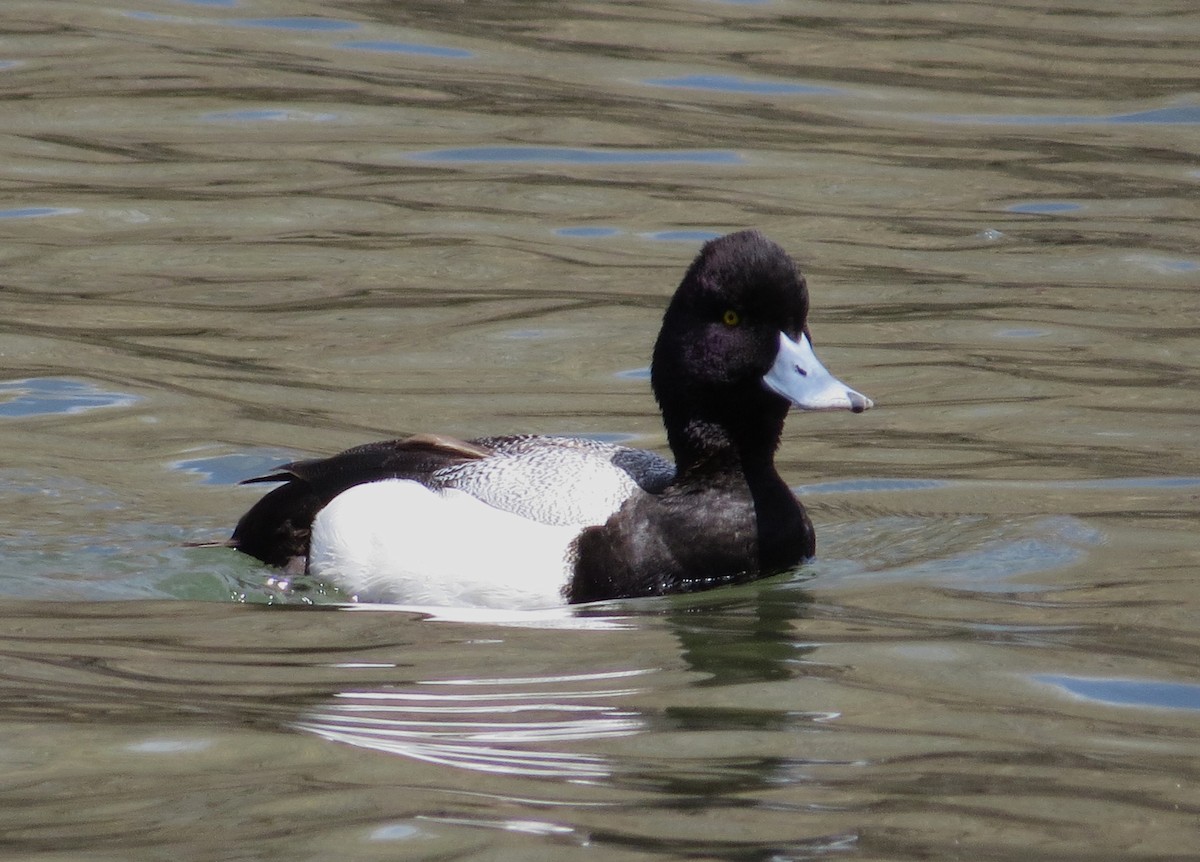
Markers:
(731, 318)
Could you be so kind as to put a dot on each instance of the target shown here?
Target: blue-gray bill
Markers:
(799, 376)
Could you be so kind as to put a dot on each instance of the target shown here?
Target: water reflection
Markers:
(689, 236)
(588, 232)
(231, 468)
(744, 635)
(310, 25)
(37, 212)
(1045, 207)
(578, 156)
(737, 84)
(518, 725)
(1182, 115)
(492, 725)
(50, 396)
(416, 49)
(296, 228)
(268, 115)
(1146, 693)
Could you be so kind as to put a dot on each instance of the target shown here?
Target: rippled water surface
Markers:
(236, 232)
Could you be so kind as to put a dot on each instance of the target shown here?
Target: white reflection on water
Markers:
(487, 725)
(572, 617)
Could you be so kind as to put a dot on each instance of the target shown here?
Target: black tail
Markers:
(278, 527)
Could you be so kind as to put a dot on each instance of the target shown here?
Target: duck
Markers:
(536, 521)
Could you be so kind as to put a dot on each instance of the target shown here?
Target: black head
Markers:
(740, 300)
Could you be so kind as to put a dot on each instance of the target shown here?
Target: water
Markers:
(239, 232)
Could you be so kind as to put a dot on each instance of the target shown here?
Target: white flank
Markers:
(397, 541)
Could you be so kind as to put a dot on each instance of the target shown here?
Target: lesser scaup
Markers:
(530, 521)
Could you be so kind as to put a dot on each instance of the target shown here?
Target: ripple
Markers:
(738, 84)
(137, 15)
(1131, 482)
(398, 832)
(414, 48)
(528, 827)
(56, 396)
(978, 554)
(1155, 694)
(1044, 207)
(877, 485)
(310, 25)
(232, 468)
(487, 725)
(682, 235)
(872, 486)
(1022, 333)
(37, 212)
(577, 156)
(569, 617)
(1163, 265)
(169, 746)
(1184, 115)
(267, 115)
(588, 232)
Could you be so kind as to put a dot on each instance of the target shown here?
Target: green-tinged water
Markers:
(234, 233)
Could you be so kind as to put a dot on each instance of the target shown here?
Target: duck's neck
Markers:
(703, 445)
(720, 456)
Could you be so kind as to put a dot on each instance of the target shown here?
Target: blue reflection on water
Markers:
(56, 396)
(588, 232)
(1022, 333)
(578, 156)
(313, 25)
(1184, 115)
(1133, 482)
(869, 485)
(683, 235)
(267, 115)
(409, 48)
(660, 236)
(737, 84)
(1044, 207)
(232, 468)
(876, 485)
(1179, 265)
(1128, 692)
(37, 212)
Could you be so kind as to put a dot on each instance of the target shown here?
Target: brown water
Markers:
(237, 232)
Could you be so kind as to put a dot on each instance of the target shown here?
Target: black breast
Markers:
(691, 538)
